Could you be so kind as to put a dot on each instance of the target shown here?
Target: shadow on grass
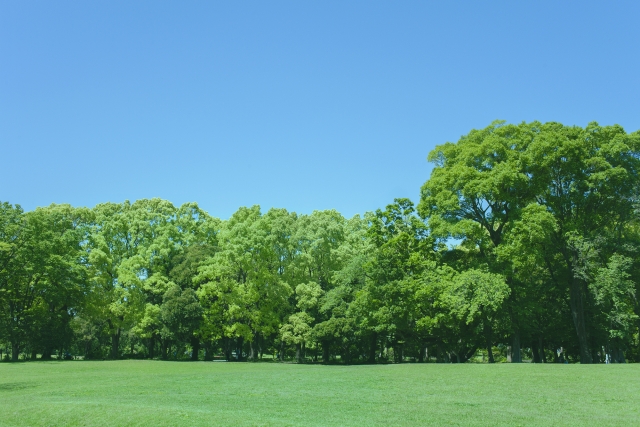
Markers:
(15, 386)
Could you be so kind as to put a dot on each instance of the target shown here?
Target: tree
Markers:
(477, 297)
(243, 285)
(117, 235)
(181, 315)
(587, 179)
(615, 296)
(477, 189)
(42, 276)
(404, 250)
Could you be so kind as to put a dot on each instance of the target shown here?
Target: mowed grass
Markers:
(154, 393)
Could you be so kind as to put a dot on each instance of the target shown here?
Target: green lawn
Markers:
(153, 393)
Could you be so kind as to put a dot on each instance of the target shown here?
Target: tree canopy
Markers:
(523, 246)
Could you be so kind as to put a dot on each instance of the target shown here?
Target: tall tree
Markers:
(403, 251)
(477, 189)
(42, 277)
(587, 179)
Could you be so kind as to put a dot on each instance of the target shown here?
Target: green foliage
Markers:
(525, 241)
(615, 295)
(476, 294)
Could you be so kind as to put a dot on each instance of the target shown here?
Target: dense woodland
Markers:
(524, 246)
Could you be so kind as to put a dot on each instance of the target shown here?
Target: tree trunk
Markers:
(576, 301)
(87, 349)
(15, 351)
(513, 351)
(397, 352)
(535, 351)
(152, 346)
(252, 351)
(440, 356)
(226, 342)
(164, 348)
(618, 355)
(542, 353)
(46, 353)
(195, 348)
(345, 354)
(258, 343)
(516, 355)
(207, 351)
(325, 352)
(115, 344)
(488, 336)
(298, 353)
(240, 344)
(253, 348)
(372, 348)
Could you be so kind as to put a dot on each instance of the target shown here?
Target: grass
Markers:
(154, 393)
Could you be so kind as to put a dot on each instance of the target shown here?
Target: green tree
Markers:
(42, 277)
(587, 179)
(476, 190)
(243, 286)
(404, 250)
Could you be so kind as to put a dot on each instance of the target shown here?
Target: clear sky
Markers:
(304, 104)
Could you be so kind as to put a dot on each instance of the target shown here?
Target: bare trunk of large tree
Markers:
(164, 348)
(15, 351)
(239, 347)
(576, 301)
(543, 356)
(535, 351)
(373, 348)
(577, 305)
(441, 356)
(516, 354)
(46, 353)
(226, 343)
(299, 353)
(421, 352)
(207, 351)
(254, 346)
(488, 336)
(325, 352)
(195, 348)
(115, 344)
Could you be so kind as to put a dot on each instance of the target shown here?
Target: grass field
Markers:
(153, 393)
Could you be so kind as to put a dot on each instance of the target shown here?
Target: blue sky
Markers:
(303, 105)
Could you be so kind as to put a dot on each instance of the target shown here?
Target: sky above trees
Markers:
(312, 105)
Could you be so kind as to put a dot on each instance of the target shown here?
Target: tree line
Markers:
(524, 245)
